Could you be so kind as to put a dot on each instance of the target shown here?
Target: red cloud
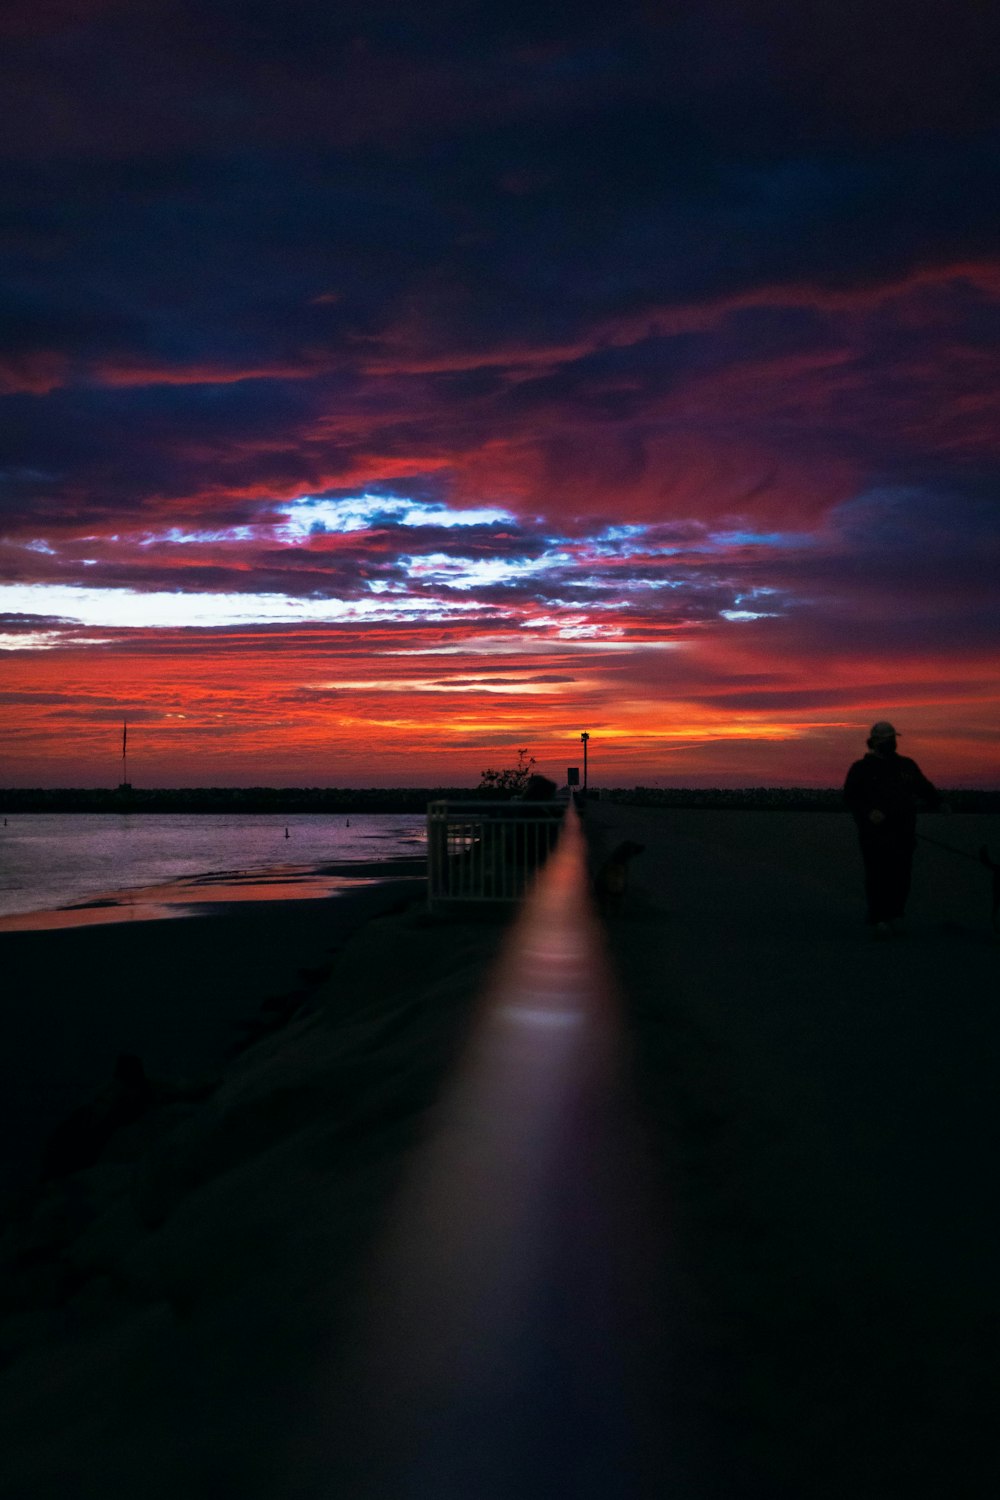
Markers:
(412, 347)
(36, 372)
(129, 373)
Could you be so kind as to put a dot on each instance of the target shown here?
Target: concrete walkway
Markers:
(822, 1111)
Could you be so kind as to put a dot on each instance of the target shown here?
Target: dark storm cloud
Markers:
(682, 266)
(910, 553)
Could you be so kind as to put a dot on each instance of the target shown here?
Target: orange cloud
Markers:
(346, 708)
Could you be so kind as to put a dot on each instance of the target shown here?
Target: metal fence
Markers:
(486, 851)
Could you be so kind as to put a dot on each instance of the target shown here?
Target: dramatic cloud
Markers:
(383, 387)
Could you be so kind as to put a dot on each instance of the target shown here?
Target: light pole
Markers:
(584, 738)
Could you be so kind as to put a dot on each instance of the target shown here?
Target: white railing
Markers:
(487, 851)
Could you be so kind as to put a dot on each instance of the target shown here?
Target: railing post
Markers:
(485, 852)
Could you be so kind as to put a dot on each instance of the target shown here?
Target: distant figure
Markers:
(286, 833)
(538, 789)
(883, 792)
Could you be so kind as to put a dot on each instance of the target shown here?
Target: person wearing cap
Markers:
(884, 791)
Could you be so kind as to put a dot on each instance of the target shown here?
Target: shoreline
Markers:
(199, 894)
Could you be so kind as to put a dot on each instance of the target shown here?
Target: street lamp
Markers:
(584, 738)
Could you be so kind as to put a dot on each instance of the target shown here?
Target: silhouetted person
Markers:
(539, 789)
(883, 791)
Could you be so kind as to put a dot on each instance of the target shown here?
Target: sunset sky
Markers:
(386, 386)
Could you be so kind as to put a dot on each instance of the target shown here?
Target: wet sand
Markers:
(196, 895)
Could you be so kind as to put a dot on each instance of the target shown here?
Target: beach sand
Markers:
(818, 1113)
(163, 1314)
(83, 984)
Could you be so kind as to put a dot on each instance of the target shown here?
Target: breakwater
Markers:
(255, 799)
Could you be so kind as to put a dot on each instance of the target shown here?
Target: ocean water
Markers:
(54, 860)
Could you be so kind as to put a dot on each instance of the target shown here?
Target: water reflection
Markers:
(193, 896)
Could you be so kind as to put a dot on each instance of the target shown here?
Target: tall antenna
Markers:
(124, 753)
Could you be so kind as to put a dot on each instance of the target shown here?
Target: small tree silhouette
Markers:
(511, 781)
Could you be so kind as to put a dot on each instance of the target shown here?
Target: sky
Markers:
(387, 387)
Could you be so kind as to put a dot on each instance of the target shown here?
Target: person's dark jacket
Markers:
(892, 784)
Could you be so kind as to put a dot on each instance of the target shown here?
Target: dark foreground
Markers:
(819, 1114)
(824, 1113)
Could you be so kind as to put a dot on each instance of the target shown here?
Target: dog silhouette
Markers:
(611, 880)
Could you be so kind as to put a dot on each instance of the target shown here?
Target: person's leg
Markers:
(877, 879)
(899, 874)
